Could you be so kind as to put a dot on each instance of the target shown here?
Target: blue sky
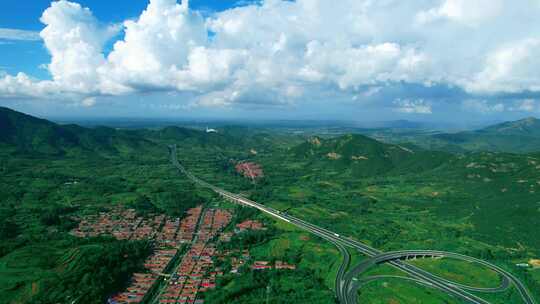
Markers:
(431, 60)
(28, 56)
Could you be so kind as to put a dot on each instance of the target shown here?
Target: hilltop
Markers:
(362, 156)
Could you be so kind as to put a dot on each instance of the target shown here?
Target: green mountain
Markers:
(27, 134)
(526, 127)
(23, 133)
(490, 191)
(362, 156)
(520, 136)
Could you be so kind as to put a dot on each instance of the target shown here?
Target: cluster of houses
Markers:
(140, 285)
(249, 225)
(124, 224)
(196, 273)
(238, 259)
(249, 169)
(173, 233)
(278, 265)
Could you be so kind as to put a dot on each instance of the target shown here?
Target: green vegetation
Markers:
(388, 290)
(312, 281)
(482, 204)
(518, 137)
(302, 249)
(508, 296)
(397, 197)
(300, 286)
(461, 272)
(64, 271)
(48, 181)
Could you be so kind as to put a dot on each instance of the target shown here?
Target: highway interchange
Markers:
(347, 283)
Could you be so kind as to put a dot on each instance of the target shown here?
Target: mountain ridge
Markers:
(520, 136)
(28, 134)
(363, 156)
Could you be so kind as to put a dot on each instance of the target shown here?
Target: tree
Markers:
(8, 229)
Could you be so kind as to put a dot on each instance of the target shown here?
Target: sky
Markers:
(426, 60)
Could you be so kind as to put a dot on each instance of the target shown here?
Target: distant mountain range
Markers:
(25, 133)
(520, 136)
(409, 125)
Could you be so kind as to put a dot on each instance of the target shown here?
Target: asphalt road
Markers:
(346, 290)
(351, 285)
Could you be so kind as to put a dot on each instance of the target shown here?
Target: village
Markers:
(182, 266)
(249, 170)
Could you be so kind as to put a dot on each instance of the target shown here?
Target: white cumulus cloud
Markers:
(156, 45)
(526, 105)
(483, 106)
(468, 12)
(278, 52)
(75, 41)
(512, 68)
(89, 102)
(410, 106)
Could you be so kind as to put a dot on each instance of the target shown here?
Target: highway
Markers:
(351, 285)
(345, 289)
